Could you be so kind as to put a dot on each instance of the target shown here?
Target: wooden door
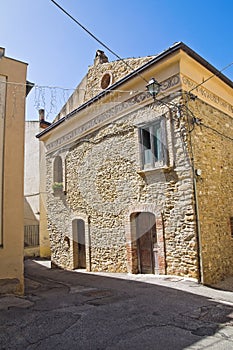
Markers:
(79, 247)
(81, 244)
(146, 233)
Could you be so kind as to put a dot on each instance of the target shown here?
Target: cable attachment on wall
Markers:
(192, 97)
(196, 121)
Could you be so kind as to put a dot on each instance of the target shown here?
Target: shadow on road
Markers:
(72, 310)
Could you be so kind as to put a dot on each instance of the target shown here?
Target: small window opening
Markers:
(106, 80)
(57, 170)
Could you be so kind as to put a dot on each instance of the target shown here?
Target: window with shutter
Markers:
(153, 144)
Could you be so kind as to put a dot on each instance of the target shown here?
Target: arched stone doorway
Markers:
(79, 246)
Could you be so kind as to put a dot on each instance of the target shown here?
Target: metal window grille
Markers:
(31, 235)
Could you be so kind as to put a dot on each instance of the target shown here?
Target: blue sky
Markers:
(59, 52)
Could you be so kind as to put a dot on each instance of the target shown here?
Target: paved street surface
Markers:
(79, 310)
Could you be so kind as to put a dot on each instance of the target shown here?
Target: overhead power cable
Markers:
(95, 38)
(213, 75)
(110, 50)
(216, 131)
(200, 123)
(121, 59)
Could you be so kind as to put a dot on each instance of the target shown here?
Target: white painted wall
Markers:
(31, 173)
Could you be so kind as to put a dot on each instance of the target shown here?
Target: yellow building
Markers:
(142, 184)
(13, 91)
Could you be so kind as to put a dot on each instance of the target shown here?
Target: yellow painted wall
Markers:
(213, 154)
(212, 145)
(11, 251)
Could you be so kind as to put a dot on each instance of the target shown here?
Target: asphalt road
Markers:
(74, 310)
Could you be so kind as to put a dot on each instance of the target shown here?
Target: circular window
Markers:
(106, 80)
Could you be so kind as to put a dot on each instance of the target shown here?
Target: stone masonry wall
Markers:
(90, 85)
(117, 69)
(59, 223)
(103, 183)
(213, 154)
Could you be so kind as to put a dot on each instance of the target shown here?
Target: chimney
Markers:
(100, 57)
(2, 52)
(43, 123)
(41, 115)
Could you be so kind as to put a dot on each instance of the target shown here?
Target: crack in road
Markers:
(69, 311)
(40, 341)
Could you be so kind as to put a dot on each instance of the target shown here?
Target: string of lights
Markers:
(73, 89)
(69, 89)
(40, 93)
(54, 99)
(40, 99)
(41, 87)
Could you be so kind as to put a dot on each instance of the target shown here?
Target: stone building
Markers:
(143, 184)
(13, 91)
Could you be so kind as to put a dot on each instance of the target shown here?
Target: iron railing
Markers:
(31, 235)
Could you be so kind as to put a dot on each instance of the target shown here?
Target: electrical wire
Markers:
(73, 89)
(68, 89)
(34, 85)
(111, 51)
(198, 235)
(95, 38)
(41, 89)
(121, 59)
(216, 131)
(200, 123)
(213, 75)
(32, 195)
(167, 104)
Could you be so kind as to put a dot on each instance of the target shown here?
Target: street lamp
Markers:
(153, 87)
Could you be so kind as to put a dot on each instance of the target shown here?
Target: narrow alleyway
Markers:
(75, 310)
